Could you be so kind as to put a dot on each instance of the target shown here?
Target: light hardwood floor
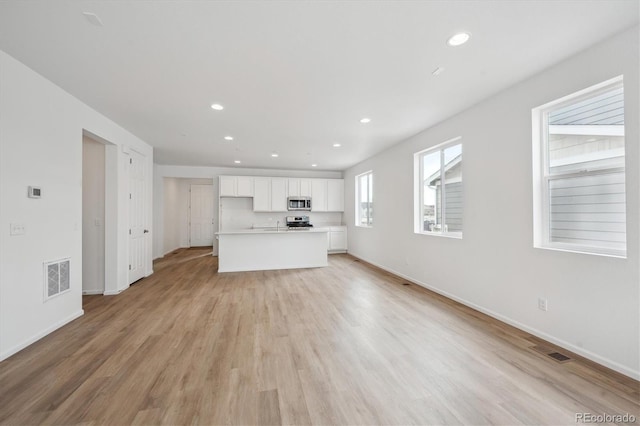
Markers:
(346, 344)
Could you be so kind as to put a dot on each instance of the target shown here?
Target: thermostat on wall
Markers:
(35, 192)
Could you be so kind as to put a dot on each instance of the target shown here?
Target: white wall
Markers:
(593, 300)
(93, 198)
(212, 173)
(176, 211)
(41, 128)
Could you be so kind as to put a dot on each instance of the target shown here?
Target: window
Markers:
(579, 171)
(439, 206)
(364, 199)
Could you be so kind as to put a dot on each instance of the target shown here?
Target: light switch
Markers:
(17, 229)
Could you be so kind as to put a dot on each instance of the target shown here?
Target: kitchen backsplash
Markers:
(237, 213)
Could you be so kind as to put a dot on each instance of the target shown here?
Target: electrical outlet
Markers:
(542, 304)
(17, 229)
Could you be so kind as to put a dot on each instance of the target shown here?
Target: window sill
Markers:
(364, 226)
(582, 251)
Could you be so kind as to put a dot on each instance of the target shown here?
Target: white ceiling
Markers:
(294, 76)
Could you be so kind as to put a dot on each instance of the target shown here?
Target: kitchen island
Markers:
(264, 249)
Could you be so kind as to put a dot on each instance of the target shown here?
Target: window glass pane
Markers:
(453, 189)
(364, 197)
(370, 199)
(432, 217)
(588, 134)
(588, 210)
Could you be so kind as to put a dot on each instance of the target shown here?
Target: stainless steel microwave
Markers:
(299, 203)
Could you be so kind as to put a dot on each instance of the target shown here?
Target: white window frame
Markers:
(418, 196)
(542, 177)
(369, 174)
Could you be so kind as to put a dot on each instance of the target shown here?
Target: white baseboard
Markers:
(634, 374)
(92, 292)
(40, 335)
(114, 292)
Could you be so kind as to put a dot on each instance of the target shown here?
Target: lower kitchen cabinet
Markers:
(337, 239)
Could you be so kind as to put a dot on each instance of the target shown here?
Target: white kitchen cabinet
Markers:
(305, 187)
(262, 194)
(244, 186)
(227, 186)
(327, 195)
(319, 195)
(236, 186)
(294, 187)
(337, 239)
(299, 187)
(279, 194)
(335, 195)
(270, 194)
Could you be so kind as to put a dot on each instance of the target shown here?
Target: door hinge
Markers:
(129, 267)
(129, 231)
(129, 195)
(130, 160)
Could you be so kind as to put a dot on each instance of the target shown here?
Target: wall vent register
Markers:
(56, 278)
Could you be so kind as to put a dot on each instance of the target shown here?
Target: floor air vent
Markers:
(406, 283)
(559, 357)
(545, 350)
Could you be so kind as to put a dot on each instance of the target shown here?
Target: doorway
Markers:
(176, 213)
(93, 216)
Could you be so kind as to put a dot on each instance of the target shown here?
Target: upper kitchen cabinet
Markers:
(299, 187)
(270, 194)
(262, 194)
(335, 195)
(236, 186)
(327, 195)
(278, 194)
(319, 195)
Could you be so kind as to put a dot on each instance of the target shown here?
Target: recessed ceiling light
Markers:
(458, 39)
(314, 165)
(365, 120)
(217, 107)
(274, 154)
(336, 145)
(237, 161)
(228, 138)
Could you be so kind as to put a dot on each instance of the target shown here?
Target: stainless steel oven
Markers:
(299, 203)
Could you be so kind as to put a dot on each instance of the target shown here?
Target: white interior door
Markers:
(137, 231)
(201, 215)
